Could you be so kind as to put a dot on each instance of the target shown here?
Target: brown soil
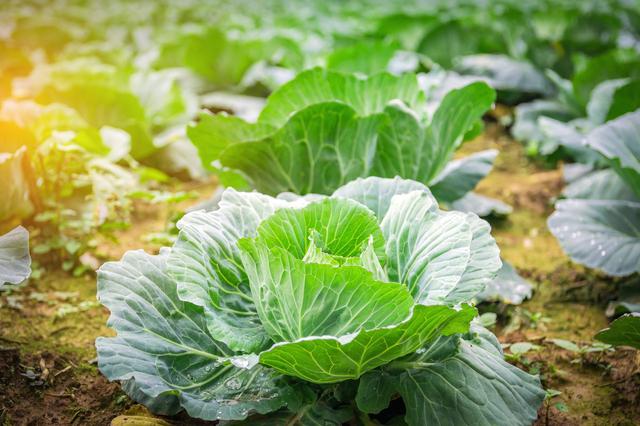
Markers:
(48, 326)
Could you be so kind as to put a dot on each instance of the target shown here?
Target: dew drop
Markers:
(233, 384)
(241, 363)
(244, 361)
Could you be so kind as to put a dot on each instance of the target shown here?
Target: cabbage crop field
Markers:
(325, 212)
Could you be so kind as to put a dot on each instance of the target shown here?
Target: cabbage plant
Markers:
(598, 224)
(606, 88)
(315, 310)
(15, 261)
(325, 128)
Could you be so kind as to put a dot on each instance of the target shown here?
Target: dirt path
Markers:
(48, 374)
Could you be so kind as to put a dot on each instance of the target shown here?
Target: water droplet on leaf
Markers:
(233, 383)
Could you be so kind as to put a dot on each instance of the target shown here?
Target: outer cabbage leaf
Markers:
(376, 193)
(319, 148)
(455, 380)
(461, 176)
(449, 265)
(407, 212)
(221, 60)
(165, 101)
(15, 261)
(214, 133)
(508, 287)
(568, 137)
(366, 96)
(600, 185)
(165, 350)
(458, 112)
(429, 263)
(619, 142)
(602, 98)
(624, 331)
(438, 82)
(205, 263)
(481, 205)
(505, 73)
(314, 413)
(484, 263)
(526, 127)
(408, 149)
(606, 236)
(574, 171)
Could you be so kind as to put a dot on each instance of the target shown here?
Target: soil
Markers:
(48, 326)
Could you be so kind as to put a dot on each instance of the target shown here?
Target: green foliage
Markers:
(72, 179)
(624, 331)
(296, 307)
(618, 142)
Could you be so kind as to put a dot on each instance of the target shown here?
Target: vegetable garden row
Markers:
(319, 213)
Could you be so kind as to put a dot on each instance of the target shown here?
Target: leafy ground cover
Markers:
(49, 327)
